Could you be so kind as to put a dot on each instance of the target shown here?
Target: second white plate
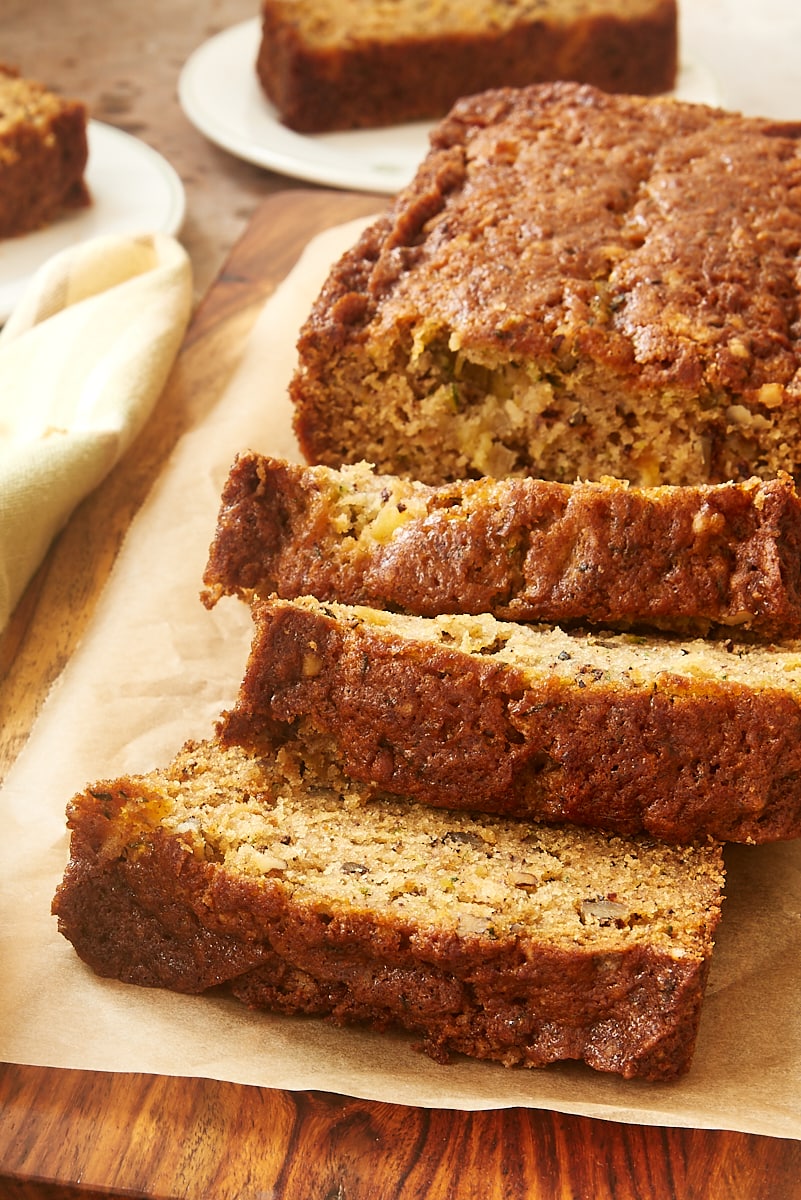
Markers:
(221, 95)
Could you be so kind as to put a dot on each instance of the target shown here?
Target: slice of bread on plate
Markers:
(360, 64)
(43, 154)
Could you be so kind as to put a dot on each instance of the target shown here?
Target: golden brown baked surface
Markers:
(678, 738)
(686, 558)
(520, 943)
(43, 154)
(574, 285)
(348, 64)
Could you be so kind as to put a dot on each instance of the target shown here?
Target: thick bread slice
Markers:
(350, 64)
(681, 558)
(501, 940)
(679, 738)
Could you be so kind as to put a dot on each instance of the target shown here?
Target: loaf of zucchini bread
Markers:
(683, 558)
(575, 284)
(517, 942)
(677, 738)
(351, 64)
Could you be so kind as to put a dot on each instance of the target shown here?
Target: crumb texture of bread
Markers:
(520, 943)
(574, 285)
(43, 154)
(690, 559)
(678, 738)
(351, 64)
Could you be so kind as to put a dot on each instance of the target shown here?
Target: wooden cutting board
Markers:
(80, 1135)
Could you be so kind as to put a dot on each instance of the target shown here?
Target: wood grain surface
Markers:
(83, 1135)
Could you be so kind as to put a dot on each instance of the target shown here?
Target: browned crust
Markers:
(681, 759)
(636, 250)
(42, 170)
(370, 82)
(525, 550)
(138, 906)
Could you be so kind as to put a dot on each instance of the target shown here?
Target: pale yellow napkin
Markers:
(83, 360)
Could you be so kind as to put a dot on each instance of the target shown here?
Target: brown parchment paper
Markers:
(156, 668)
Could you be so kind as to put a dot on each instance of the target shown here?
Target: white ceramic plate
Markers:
(221, 95)
(134, 190)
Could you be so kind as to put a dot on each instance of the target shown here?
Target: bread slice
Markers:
(684, 558)
(574, 285)
(353, 64)
(522, 943)
(681, 739)
(43, 154)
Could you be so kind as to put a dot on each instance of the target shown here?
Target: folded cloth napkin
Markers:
(83, 360)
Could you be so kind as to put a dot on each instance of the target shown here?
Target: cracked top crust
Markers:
(657, 237)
